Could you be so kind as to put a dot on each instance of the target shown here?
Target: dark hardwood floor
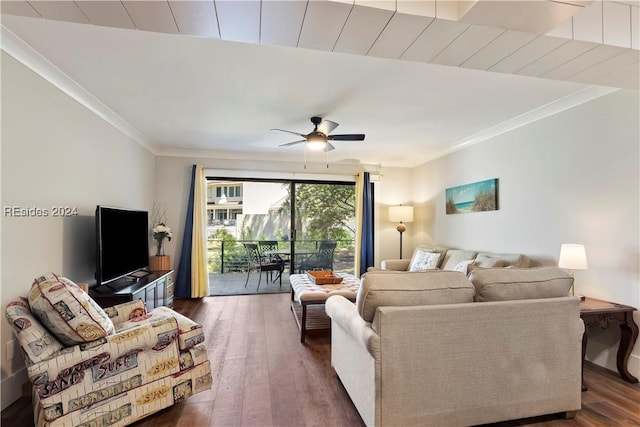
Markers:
(263, 376)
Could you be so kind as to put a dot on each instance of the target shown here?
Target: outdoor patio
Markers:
(232, 281)
(233, 284)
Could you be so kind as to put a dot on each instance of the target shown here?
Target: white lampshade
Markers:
(573, 257)
(401, 213)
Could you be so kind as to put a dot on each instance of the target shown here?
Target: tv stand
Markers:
(155, 289)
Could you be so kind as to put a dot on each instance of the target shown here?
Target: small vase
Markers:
(159, 249)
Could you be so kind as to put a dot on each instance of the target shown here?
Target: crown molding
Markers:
(570, 101)
(30, 58)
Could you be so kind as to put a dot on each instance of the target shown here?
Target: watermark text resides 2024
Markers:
(36, 212)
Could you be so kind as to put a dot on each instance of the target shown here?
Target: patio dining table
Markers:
(285, 255)
(287, 252)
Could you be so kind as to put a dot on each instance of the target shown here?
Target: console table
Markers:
(603, 314)
(155, 289)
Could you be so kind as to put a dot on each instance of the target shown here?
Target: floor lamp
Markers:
(401, 214)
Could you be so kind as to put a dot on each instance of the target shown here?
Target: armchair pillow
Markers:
(36, 341)
(68, 311)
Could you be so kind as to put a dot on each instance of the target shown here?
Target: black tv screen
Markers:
(122, 238)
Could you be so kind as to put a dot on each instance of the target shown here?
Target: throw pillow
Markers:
(489, 263)
(485, 263)
(67, 311)
(424, 260)
(463, 266)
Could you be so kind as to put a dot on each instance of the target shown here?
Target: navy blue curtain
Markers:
(183, 278)
(366, 248)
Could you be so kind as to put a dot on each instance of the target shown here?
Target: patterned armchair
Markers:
(91, 367)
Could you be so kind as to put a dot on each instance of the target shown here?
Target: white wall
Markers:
(56, 153)
(570, 178)
(394, 188)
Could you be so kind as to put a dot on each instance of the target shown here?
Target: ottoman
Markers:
(305, 293)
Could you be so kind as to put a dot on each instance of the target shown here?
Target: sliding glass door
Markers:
(324, 226)
(262, 212)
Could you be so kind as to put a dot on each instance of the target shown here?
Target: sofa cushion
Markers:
(454, 256)
(68, 311)
(396, 288)
(488, 259)
(502, 284)
(424, 260)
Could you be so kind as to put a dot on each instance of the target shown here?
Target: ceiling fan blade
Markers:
(292, 143)
(327, 126)
(288, 131)
(347, 137)
(330, 147)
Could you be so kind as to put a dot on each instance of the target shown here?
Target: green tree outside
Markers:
(323, 211)
(235, 258)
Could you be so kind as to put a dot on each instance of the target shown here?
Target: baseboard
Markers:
(634, 365)
(609, 363)
(12, 387)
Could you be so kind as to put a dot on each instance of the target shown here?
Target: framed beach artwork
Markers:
(475, 197)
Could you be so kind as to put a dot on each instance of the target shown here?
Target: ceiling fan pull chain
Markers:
(326, 150)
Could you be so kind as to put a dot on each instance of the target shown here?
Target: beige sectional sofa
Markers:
(436, 348)
(450, 258)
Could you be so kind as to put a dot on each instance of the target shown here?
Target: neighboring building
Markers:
(224, 203)
(231, 204)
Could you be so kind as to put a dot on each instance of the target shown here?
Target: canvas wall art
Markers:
(475, 197)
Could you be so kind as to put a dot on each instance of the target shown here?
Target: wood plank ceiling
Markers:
(595, 42)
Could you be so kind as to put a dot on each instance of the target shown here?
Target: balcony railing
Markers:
(230, 256)
(225, 222)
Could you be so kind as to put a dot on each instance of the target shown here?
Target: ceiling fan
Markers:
(319, 138)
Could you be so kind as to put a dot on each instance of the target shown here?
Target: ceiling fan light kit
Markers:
(317, 141)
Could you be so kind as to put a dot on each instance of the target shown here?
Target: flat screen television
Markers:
(122, 243)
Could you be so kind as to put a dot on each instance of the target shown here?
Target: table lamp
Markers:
(401, 214)
(573, 257)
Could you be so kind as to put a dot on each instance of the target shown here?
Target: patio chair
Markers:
(321, 260)
(271, 246)
(267, 245)
(256, 261)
